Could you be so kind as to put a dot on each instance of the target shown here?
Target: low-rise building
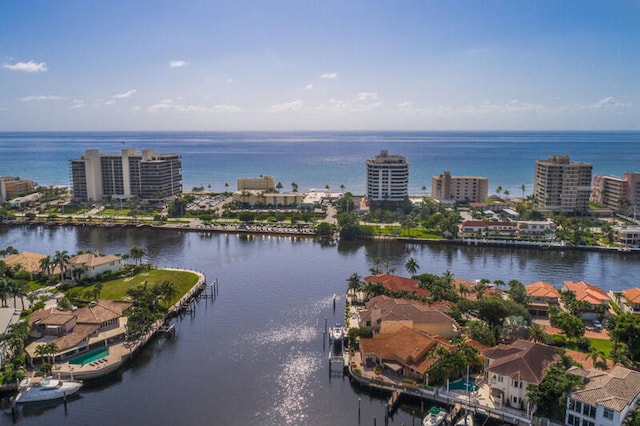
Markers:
(97, 325)
(468, 189)
(13, 187)
(262, 183)
(605, 399)
(484, 229)
(596, 301)
(543, 295)
(397, 284)
(255, 198)
(404, 353)
(627, 300)
(28, 261)
(539, 230)
(627, 235)
(386, 315)
(89, 265)
(509, 369)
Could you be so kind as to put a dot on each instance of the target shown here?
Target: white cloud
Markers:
(610, 102)
(329, 75)
(110, 102)
(175, 63)
(308, 87)
(286, 106)
(163, 105)
(27, 66)
(365, 96)
(125, 95)
(43, 98)
(171, 105)
(78, 104)
(224, 108)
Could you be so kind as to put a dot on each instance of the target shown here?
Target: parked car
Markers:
(597, 324)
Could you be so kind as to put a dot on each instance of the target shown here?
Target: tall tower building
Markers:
(125, 175)
(562, 185)
(387, 178)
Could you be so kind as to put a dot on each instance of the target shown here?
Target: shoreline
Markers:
(305, 232)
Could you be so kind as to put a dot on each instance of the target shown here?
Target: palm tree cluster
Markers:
(147, 307)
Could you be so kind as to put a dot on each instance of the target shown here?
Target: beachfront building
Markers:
(595, 300)
(387, 178)
(542, 296)
(262, 183)
(605, 399)
(487, 229)
(466, 189)
(252, 198)
(98, 325)
(89, 265)
(627, 300)
(405, 353)
(146, 175)
(13, 187)
(509, 369)
(387, 315)
(562, 185)
(620, 194)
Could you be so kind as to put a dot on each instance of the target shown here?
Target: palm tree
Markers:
(498, 190)
(137, 253)
(279, 186)
(294, 187)
(411, 266)
(5, 289)
(537, 334)
(327, 187)
(355, 282)
(342, 187)
(481, 287)
(42, 351)
(522, 187)
(61, 259)
(375, 269)
(168, 291)
(52, 349)
(45, 265)
(506, 193)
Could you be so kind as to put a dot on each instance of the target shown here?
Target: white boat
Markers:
(336, 332)
(466, 420)
(434, 417)
(36, 389)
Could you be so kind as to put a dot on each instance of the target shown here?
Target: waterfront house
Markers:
(89, 265)
(537, 230)
(99, 324)
(28, 261)
(484, 229)
(595, 302)
(627, 300)
(605, 399)
(386, 315)
(627, 236)
(404, 353)
(509, 369)
(397, 284)
(543, 295)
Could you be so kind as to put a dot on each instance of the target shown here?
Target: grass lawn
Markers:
(602, 345)
(117, 289)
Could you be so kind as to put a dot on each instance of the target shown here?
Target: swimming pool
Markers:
(90, 356)
(462, 385)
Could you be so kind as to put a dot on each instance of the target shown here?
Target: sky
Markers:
(319, 65)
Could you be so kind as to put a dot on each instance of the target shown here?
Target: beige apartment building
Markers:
(12, 187)
(469, 189)
(562, 185)
(262, 183)
(620, 194)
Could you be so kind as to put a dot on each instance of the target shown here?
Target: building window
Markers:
(608, 414)
(589, 410)
(573, 420)
(587, 423)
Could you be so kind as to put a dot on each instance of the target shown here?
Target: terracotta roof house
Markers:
(542, 296)
(100, 323)
(605, 399)
(627, 300)
(386, 315)
(482, 229)
(404, 353)
(510, 368)
(397, 283)
(592, 295)
(29, 261)
(89, 265)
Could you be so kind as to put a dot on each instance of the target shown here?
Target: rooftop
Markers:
(615, 389)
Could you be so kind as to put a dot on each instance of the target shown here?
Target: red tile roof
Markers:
(522, 360)
(632, 295)
(397, 283)
(543, 289)
(587, 292)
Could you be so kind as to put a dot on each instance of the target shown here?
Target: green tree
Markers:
(481, 332)
(624, 330)
(137, 253)
(572, 326)
(61, 259)
(518, 293)
(411, 266)
(324, 229)
(537, 334)
(354, 283)
(515, 327)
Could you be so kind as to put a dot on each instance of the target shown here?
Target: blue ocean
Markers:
(317, 159)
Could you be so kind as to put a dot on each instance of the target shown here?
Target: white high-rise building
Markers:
(387, 178)
(129, 174)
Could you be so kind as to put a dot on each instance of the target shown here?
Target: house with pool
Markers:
(75, 333)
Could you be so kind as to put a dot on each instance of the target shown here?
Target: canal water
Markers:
(255, 354)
